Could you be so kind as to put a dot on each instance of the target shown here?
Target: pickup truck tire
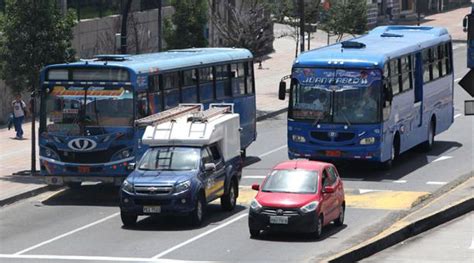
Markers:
(128, 220)
(197, 214)
(229, 199)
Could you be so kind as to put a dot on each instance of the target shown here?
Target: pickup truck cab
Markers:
(189, 164)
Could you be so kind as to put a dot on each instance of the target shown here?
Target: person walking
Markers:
(19, 113)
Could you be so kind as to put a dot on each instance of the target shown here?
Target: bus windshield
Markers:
(337, 96)
(72, 109)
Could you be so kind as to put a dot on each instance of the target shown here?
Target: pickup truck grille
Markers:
(276, 212)
(153, 189)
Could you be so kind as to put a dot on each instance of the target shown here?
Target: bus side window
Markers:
(386, 88)
(206, 84)
(249, 77)
(426, 65)
(395, 76)
(143, 108)
(447, 61)
(434, 61)
(238, 81)
(189, 89)
(171, 89)
(155, 100)
(222, 82)
(406, 73)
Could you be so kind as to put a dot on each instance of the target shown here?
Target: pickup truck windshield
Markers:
(170, 159)
(291, 181)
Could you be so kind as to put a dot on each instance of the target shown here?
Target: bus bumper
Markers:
(313, 152)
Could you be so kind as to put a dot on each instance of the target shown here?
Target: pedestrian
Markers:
(19, 113)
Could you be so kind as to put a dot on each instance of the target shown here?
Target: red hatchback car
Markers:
(298, 196)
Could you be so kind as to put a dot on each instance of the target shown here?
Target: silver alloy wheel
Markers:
(232, 195)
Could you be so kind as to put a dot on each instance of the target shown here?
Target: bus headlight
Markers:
(51, 154)
(298, 138)
(128, 187)
(366, 141)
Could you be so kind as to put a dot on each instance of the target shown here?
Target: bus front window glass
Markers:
(357, 105)
(311, 102)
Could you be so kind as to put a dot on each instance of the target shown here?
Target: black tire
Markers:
(229, 199)
(340, 220)
(387, 165)
(128, 220)
(254, 233)
(319, 228)
(197, 215)
(74, 185)
(428, 144)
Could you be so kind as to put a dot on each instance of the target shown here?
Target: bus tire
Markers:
(428, 144)
(394, 152)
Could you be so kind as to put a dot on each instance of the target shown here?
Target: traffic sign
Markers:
(467, 83)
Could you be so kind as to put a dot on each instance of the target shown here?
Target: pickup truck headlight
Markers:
(255, 206)
(298, 138)
(310, 207)
(182, 187)
(128, 187)
(366, 141)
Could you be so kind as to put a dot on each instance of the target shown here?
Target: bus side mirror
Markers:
(282, 90)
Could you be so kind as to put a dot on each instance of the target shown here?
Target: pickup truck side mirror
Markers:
(282, 90)
(209, 167)
(131, 166)
(255, 187)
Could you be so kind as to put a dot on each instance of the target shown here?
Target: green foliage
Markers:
(34, 35)
(186, 28)
(287, 11)
(345, 17)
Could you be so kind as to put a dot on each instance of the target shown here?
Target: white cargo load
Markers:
(190, 125)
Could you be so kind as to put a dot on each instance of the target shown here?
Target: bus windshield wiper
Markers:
(317, 120)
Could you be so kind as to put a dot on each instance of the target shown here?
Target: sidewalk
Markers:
(15, 155)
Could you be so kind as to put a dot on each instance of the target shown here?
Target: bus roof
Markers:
(165, 61)
(376, 47)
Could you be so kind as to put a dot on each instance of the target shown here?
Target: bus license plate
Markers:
(333, 153)
(281, 220)
(152, 209)
(84, 169)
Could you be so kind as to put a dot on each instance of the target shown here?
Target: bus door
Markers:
(418, 83)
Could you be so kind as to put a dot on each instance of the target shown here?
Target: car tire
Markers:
(229, 200)
(319, 228)
(254, 233)
(340, 220)
(197, 215)
(128, 219)
(74, 185)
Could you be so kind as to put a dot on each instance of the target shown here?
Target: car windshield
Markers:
(336, 96)
(170, 159)
(72, 109)
(291, 181)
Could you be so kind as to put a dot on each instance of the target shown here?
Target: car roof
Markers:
(301, 164)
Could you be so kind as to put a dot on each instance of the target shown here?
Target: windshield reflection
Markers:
(291, 181)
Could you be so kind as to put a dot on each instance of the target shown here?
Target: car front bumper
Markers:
(301, 223)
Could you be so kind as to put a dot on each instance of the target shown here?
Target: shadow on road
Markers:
(86, 195)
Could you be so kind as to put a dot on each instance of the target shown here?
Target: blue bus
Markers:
(468, 24)
(88, 108)
(372, 97)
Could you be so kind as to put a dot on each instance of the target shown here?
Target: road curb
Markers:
(412, 229)
(27, 194)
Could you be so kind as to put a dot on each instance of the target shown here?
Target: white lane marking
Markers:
(458, 79)
(364, 191)
(400, 181)
(199, 236)
(442, 158)
(457, 115)
(254, 177)
(436, 183)
(82, 258)
(272, 151)
(66, 234)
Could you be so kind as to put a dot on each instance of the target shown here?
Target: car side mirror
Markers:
(209, 167)
(329, 189)
(255, 187)
(131, 166)
(282, 90)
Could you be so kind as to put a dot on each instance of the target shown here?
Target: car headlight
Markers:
(128, 187)
(51, 154)
(369, 140)
(182, 187)
(255, 206)
(309, 207)
(298, 138)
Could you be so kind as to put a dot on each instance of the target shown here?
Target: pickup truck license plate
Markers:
(152, 209)
(281, 220)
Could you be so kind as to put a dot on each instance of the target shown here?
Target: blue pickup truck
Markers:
(192, 160)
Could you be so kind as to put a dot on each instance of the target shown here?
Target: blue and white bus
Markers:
(88, 108)
(373, 97)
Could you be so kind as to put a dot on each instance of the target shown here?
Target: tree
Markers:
(345, 17)
(248, 25)
(34, 35)
(186, 28)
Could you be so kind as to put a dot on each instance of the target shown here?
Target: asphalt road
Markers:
(85, 226)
